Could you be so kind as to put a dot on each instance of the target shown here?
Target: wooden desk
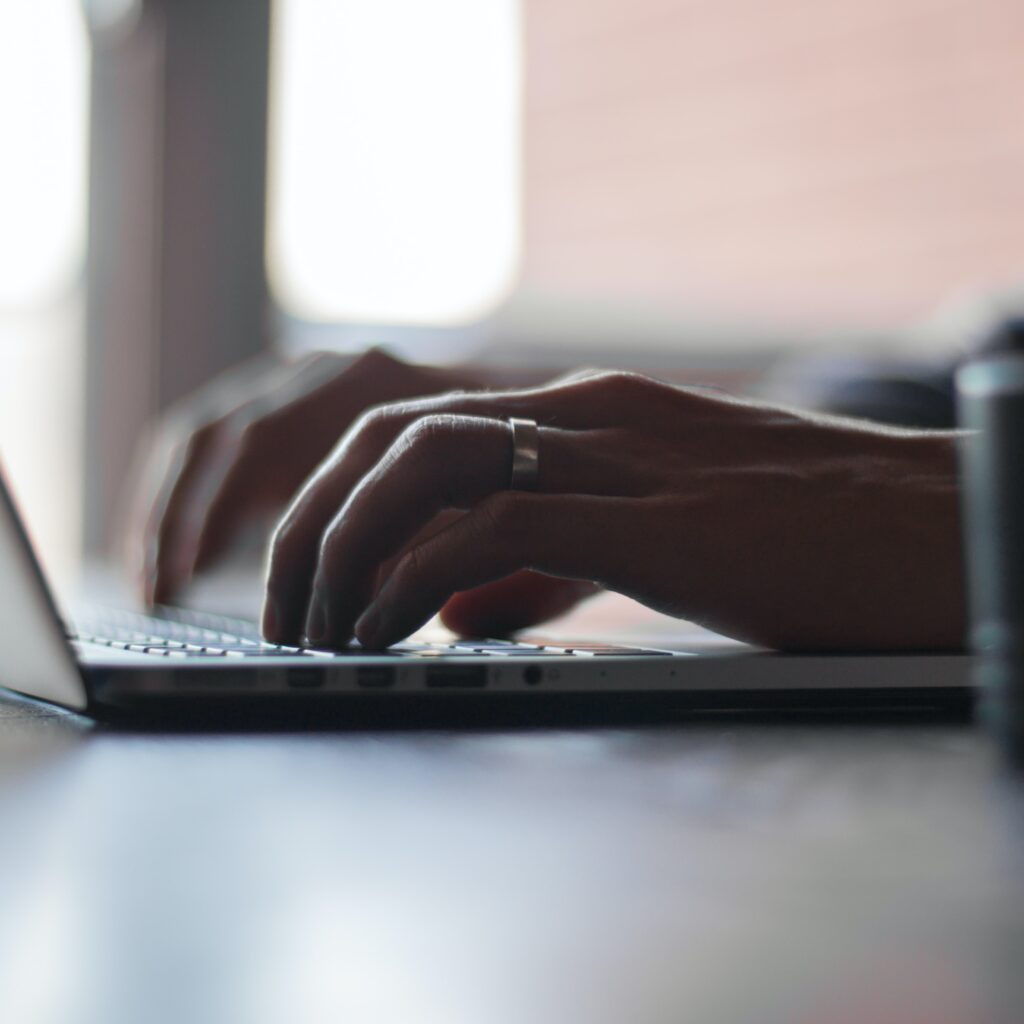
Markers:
(722, 870)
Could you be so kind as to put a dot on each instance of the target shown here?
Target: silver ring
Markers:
(525, 456)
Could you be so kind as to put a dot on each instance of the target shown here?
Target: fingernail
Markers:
(368, 626)
(316, 621)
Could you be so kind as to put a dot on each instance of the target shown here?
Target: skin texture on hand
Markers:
(765, 524)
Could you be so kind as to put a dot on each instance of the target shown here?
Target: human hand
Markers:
(236, 453)
(765, 524)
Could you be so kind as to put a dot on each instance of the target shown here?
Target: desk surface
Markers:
(722, 870)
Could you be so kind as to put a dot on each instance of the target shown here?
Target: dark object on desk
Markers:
(899, 393)
(990, 391)
(913, 397)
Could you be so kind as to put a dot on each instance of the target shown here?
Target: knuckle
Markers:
(374, 423)
(429, 433)
(374, 359)
(252, 436)
(627, 383)
(623, 387)
(578, 376)
(199, 439)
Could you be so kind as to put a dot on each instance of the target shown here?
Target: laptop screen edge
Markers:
(36, 659)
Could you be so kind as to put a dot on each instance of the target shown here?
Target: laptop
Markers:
(119, 663)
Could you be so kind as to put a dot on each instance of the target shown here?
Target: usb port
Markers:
(457, 676)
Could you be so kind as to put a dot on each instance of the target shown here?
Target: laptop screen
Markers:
(35, 657)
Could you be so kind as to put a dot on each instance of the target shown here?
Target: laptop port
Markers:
(532, 675)
(222, 679)
(306, 678)
(457, 676)
(374, 677)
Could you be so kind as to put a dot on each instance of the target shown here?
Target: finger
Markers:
(167, 479)
(168, 546)
(254, 478)
(520, 600)
(440, 522)
(570, 536)
(243, 491)
(587, 402)
(440, 462)
(151, 465)
(239, 501)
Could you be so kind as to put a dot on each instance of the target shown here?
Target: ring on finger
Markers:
(525, 454)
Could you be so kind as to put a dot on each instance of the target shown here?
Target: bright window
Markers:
(42, 125)
(394, 159)
(43, 118)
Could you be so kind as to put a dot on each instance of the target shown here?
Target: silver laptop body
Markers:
(124, 662)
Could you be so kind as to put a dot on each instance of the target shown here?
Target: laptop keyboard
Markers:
(176, 633)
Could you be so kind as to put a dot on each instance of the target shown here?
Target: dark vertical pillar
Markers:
(176, 282)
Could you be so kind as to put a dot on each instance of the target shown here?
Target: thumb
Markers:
(522, 599)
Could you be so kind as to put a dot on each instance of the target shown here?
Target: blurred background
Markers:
(781, 192)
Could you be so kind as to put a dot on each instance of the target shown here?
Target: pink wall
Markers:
(837, 161)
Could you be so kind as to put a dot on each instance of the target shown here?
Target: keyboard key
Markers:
(494, 645)
(444, 652)
(256, 653)
(534, 653)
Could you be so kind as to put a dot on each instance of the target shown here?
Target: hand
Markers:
(238, 451)
(768, 525)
